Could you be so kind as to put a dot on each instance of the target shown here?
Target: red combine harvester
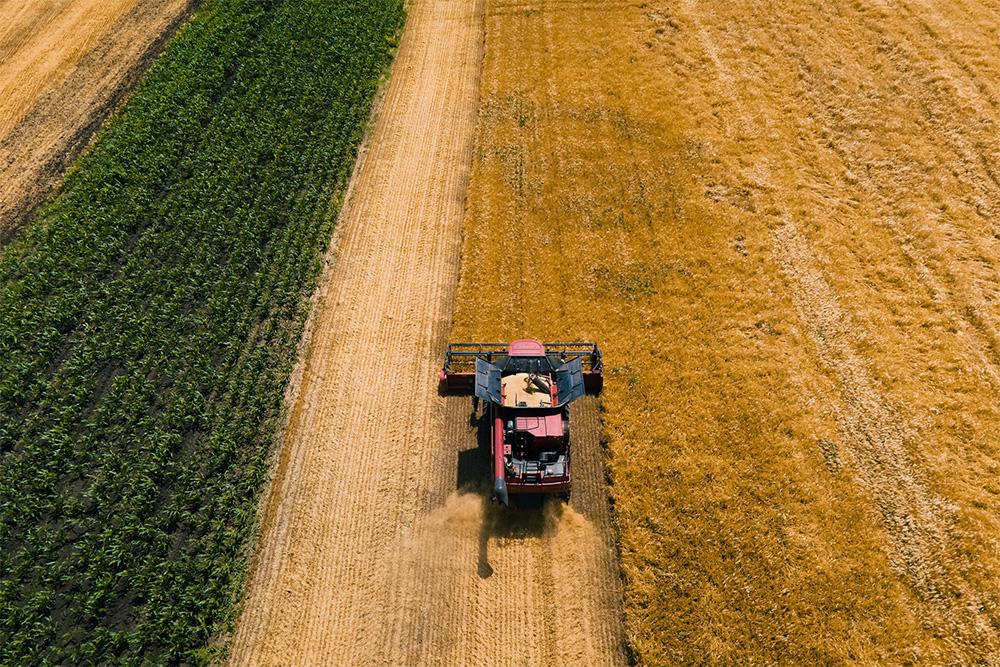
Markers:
(527, 387)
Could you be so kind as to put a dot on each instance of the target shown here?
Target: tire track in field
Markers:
(944, 269)
(918, 521)
(378, 545)
(84, 62)
(962, 300)
(935, 27)
(934, 264)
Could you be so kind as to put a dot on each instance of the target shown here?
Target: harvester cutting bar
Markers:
(459, 372)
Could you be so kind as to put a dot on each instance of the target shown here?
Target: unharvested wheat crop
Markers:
(778, 219)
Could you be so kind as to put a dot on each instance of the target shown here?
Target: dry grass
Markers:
(778, 220)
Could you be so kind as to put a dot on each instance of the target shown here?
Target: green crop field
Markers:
(149, 317)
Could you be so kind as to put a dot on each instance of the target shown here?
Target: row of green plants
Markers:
(149, 318)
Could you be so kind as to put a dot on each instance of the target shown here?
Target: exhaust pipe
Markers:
(500, 491)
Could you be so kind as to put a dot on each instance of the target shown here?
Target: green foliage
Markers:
(149, 318)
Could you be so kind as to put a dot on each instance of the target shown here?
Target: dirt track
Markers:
(63, 67)
(376, 546)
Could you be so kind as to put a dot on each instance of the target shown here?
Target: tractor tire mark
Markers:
(948, 52)
(935, 94)
(917, 520)
(962, 301)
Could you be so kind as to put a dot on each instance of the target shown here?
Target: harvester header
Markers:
(459, 372)
(526, 386)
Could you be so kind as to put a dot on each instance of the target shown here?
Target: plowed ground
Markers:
(377, 544)
(63, 67)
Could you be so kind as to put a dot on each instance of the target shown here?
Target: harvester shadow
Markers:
(473, 471)
(508, 524)
(526, 520)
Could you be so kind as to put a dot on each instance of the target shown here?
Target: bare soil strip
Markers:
(63, 68)
(378, 546)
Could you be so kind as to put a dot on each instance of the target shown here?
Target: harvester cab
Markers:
(527, 387)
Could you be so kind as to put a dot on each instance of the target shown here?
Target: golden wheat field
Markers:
(779, 221)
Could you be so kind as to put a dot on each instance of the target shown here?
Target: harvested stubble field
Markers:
(41, 43)
(378, 546)
(64, 66)
(778, 218)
